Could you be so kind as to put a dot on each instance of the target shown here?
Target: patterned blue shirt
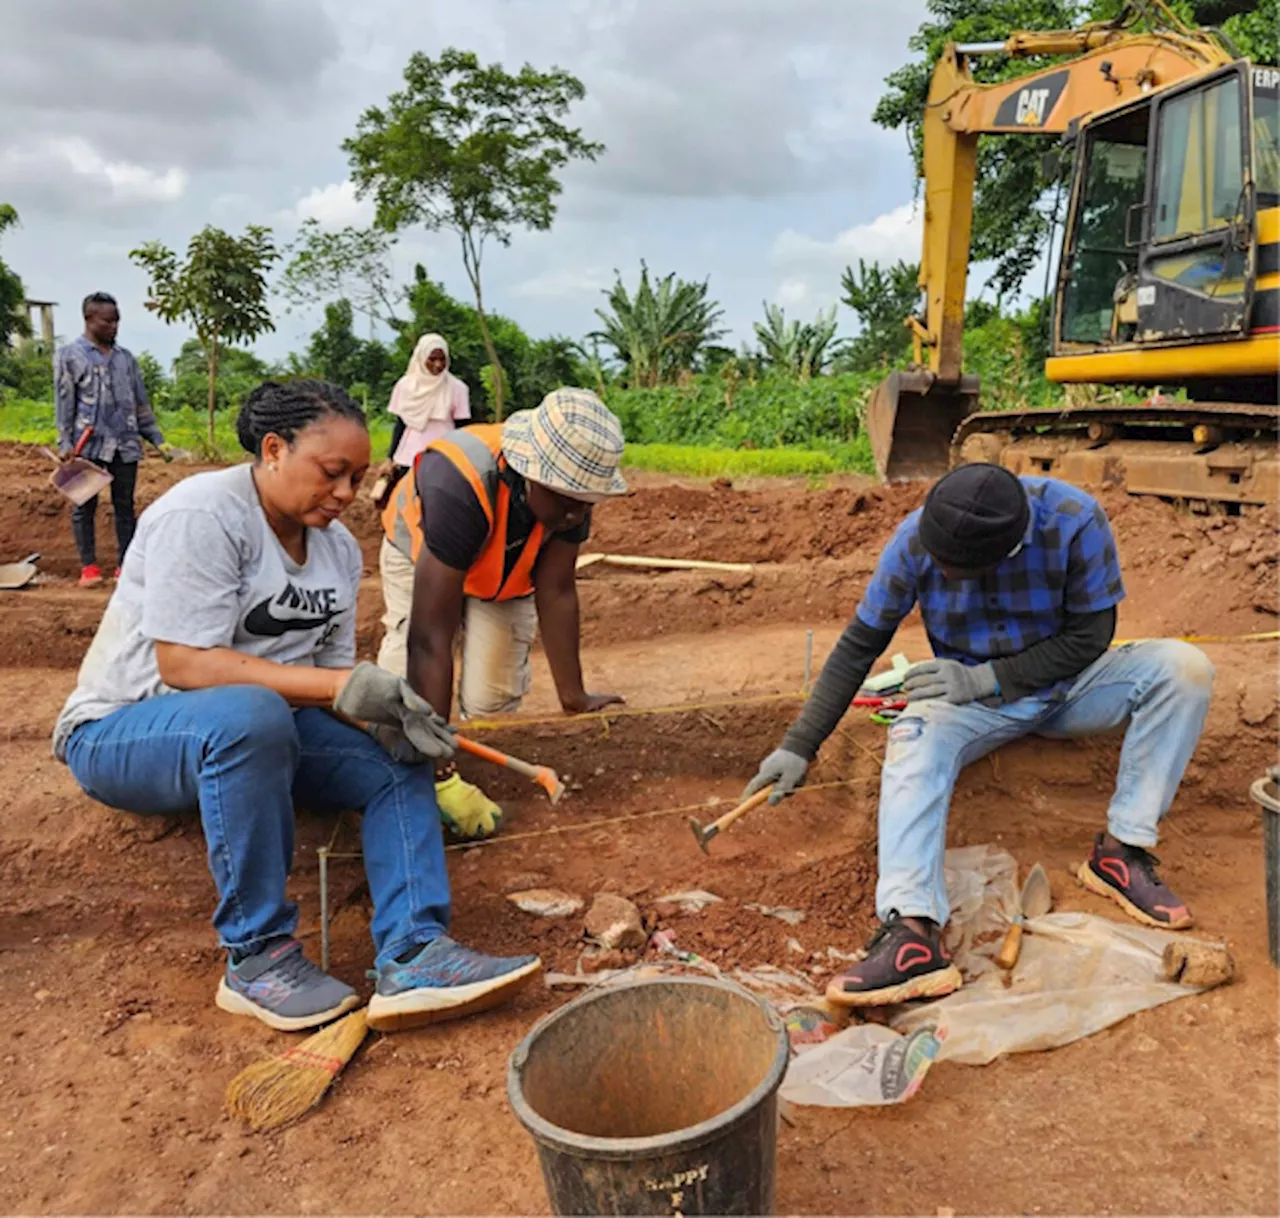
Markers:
(1067, 564)
(104, 392)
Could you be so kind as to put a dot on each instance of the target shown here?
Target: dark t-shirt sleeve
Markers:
(397, 434)
(579, 535)
(453, 522)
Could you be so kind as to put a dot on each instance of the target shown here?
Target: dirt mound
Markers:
(721, 523)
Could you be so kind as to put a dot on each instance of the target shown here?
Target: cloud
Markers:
(809, 270)
(561, 283)
(335, 206)
(152, 82)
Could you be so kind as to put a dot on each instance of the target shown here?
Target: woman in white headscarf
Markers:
(427, 401)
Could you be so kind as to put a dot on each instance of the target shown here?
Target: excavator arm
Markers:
(914, 414)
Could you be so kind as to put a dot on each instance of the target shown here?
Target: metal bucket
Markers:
(1266, 794)
(657, 1097)
(911, 421)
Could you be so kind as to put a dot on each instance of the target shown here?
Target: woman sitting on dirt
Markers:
(223, 675)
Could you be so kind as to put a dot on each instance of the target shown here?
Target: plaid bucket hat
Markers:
(571, 443)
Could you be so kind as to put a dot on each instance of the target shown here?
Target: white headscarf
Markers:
(420, 396)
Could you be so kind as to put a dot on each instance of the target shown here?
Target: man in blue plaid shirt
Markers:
(1017, 580)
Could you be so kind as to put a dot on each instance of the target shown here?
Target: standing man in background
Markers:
(97, 385)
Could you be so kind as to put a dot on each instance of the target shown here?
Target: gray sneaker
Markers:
(444, 980)
(281, 987)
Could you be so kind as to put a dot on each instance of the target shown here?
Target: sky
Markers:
(738, 135)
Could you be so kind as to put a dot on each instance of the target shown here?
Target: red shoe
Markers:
(90, 576)
(1127, 874)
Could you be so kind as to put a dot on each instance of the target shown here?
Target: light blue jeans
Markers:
(242, 756)
(1161, 688)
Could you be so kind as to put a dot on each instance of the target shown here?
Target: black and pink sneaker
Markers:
(1127, 874)
(900, 964)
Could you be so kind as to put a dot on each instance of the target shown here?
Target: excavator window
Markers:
(1266, 135)
(1101, 255)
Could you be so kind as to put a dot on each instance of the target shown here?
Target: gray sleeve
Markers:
(842, 676)
(340, 651)
(192, 573)
(64, 390)
(1084, 637)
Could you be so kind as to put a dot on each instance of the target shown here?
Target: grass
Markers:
(696, 461)
(28, 422)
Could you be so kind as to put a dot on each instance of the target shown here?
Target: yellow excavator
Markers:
(1168, 270)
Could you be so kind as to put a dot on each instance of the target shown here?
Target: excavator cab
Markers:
(1161, 240)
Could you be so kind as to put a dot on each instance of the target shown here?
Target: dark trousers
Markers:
(124, 477)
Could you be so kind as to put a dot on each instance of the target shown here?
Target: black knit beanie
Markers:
(974, 516)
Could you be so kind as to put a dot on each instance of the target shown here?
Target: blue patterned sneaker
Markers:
(281, 987)
(442, 981)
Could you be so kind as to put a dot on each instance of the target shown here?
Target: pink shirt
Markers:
(414, 441)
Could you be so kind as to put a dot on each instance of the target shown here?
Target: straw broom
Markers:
(269, 1094)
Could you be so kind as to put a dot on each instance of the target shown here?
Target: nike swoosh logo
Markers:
(260, 622)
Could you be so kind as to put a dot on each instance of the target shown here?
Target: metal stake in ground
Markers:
(704, 836)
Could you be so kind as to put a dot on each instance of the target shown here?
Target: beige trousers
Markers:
(497, 639)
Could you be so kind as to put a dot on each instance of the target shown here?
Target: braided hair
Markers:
(286, 408)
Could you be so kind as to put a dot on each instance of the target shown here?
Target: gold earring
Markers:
(271, 465)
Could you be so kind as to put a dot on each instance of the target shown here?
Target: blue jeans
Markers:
(242, 755)
(1161, 688)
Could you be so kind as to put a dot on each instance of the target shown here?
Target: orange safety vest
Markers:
(476, 452)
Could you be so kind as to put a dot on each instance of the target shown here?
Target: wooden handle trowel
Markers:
(1035, 901)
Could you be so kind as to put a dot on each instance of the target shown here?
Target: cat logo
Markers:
(1033, 107)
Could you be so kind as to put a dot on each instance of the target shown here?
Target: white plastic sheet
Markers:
(1077, 974)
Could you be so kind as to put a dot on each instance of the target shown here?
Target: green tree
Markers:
(473, 150)
(660, 331)
(154, 379)
(1012, 205)
(800, 349)
(220, 290)
(12, 293)
(336, 354)
(239, 371)
(352, 264)
(882, 298)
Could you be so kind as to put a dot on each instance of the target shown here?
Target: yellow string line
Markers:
(583, 826)
(1266, 636)
(625, 712)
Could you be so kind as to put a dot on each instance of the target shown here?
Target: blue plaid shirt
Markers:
(104, 392)
(1067, 564)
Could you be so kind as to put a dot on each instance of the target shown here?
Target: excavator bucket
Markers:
(911, 420)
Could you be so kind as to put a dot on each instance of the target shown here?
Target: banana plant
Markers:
(800, 349)
(659, 332)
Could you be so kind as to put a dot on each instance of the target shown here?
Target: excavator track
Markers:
(1201, 453)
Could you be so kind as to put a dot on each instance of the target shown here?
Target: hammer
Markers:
(703, 836)
(543, 775)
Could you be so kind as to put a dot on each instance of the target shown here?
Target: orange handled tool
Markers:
(704, 834)
(543, 775)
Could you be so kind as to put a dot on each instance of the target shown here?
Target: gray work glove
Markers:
(396, 744)
(374, 695)
(950, 681)
(783, 768)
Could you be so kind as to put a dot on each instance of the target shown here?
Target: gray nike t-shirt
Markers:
(205, 570)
